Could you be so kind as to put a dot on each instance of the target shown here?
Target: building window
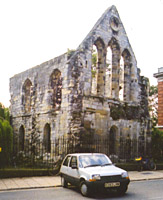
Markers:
(98, 67)
(108, 73)
(127, 75)
(115, 48)
(56, 88)
(112, 140)
(121, 79)
(94, 70)
(21, 138)
(26, 97)
(47, 138)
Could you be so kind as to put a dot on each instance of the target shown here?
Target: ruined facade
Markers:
(96, 89)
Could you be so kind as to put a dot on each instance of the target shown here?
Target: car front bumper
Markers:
(105, 185)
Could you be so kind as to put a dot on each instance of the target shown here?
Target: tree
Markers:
(4, 112)
(157, 135)
(153, 104)
(157, 144)
(6, 137)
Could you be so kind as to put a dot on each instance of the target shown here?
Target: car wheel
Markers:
(84, 188)
(63, 182)
(122, 190)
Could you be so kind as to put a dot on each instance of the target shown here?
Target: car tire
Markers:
(84, 190)
(64, 182)
(122, 190)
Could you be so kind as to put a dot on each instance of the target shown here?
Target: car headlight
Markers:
(125, 175)
(95, 177)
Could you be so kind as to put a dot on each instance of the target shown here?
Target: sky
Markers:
(35, 31)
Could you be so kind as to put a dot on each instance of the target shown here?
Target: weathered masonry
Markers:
(94, 91)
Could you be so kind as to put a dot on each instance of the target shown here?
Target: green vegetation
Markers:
(6, 137)
(24, 172)
(157, 135)
(153, 90)
(94, 59)
(157, 145)
(93, 73)
(153, 104)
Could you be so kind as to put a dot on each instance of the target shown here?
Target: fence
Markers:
(38, 155)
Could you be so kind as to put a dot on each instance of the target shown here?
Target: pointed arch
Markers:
(47, 138)
(55, 83)
(114, 45)
(94, 70)
(26, 97)
(121, 79)
(127, 74)
(21, 138)
(113, 140)
(99, 43)
(108, 73)
(99, 69)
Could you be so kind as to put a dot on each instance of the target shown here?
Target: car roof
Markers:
(82, 154)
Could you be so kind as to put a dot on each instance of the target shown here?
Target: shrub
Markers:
(157, 145)
(6, 142)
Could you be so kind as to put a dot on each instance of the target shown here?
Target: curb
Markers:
(56, 186)
(29, 188)
(145, 179)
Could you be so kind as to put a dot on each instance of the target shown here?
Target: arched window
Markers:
(26, 98)
(47, 138)
(121, 79)
(108, 73)
(21, 138)
(127, 74)
(113, 44)
(94, 70)
(99, 69)
(112, 140)
(56, 86)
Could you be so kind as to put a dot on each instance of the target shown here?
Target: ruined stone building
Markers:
(96, 89)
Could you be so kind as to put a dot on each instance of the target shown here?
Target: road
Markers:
(140, 190)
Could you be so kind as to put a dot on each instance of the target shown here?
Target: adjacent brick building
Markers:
(95, 90)
(159, 77)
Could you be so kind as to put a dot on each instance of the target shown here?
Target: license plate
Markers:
(116, 184)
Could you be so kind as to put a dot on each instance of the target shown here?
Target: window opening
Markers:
(47, 138)
(56, 86)
(27, 95)
(94, 70)
(121, 79)
(108, 75)
(21, 138)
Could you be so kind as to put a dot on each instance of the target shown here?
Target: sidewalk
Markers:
(55, 181)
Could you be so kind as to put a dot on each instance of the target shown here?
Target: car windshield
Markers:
(94, 160)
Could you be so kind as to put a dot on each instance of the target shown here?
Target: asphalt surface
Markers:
(55, 181)
(137, 190)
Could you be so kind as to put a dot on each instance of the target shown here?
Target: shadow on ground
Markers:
(103, 195)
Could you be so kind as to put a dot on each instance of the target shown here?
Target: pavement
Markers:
(55, 181)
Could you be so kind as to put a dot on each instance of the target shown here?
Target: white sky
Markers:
(34, 31)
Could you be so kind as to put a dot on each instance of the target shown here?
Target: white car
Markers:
(92, 171)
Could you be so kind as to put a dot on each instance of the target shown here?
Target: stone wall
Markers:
(72, 96)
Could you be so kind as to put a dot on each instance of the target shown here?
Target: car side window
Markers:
(66, 162)
(73, 161)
